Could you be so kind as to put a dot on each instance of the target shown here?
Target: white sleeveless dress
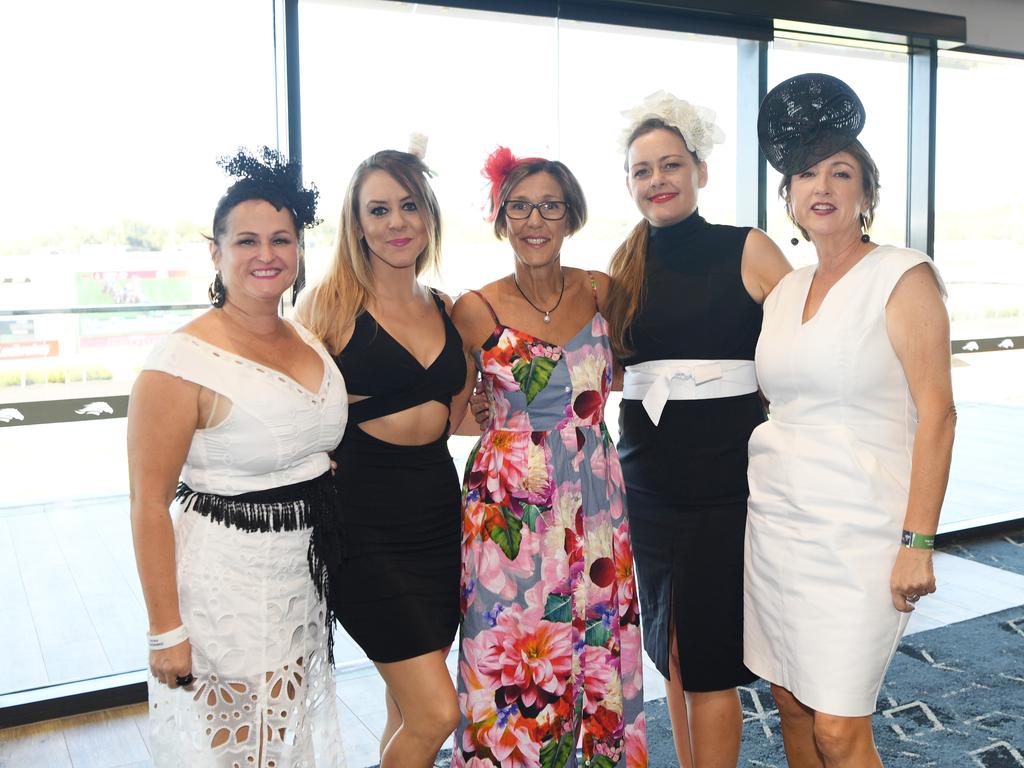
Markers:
(829, 474)
(256, 625)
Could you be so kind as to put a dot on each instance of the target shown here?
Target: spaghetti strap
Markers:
(488, 305)
(438, 301)
(593, 289)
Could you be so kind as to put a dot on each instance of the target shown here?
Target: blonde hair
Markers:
(626, 270)
(337, 300)
(628, 265)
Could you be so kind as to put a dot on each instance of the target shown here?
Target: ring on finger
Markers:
(913, 598)
(185, 679)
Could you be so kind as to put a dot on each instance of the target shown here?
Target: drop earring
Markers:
(300, 279)
(217, 293)
(864, 236)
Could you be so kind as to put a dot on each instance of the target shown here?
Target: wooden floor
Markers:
(114, 738)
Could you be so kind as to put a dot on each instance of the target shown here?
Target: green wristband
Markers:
(912, 540)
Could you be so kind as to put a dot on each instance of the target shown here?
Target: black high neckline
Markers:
(680, 229)
(666, 241)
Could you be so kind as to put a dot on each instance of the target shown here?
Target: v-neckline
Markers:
(563, 347)
(821, 305)
(409, 354)
(261, 367)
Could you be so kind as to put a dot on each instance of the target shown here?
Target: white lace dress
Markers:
(264, 694)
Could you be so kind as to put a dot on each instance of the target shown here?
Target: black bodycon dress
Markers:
(686, 479)
(395, 584)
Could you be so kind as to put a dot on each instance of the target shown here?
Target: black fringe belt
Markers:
(309, 504)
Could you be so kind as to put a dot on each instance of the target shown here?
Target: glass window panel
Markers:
(472, 80)
(979, 208)
(880, 79)
(123, 108)
(979, 246)
(597, 86)
(468, 80)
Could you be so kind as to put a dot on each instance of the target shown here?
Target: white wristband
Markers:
(168, 639)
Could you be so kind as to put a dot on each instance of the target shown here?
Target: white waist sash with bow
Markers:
(658, 381)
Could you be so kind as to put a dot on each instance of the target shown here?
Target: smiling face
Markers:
(664, 177)
(390, 222)
(258, 252)
(828, 199)
(536, 241)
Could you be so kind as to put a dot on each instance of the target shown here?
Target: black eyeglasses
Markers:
(552, 210)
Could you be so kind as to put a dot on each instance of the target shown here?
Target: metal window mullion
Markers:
(291, 24)
(286, 71)
(923, 67)
(751, 169)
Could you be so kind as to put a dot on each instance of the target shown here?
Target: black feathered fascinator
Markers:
(269, 176)
(807, 118)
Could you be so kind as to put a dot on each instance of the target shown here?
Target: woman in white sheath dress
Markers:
(853, 358)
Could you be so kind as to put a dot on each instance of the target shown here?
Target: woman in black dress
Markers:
(393, 556)
(685, 312)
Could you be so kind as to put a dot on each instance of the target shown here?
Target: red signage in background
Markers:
(128, 340)
(20, 350)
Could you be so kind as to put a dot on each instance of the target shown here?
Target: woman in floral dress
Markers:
(550, 641)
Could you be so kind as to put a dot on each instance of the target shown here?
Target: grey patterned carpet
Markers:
(1002, 548)
(954, 696)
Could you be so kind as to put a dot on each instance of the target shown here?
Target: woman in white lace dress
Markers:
(242, 406)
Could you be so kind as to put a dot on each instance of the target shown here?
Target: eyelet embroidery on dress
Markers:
(239, 722)
(325, 380)
(246, 708)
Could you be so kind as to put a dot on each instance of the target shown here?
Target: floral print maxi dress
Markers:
(550, 636)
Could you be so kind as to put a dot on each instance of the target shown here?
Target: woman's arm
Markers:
(474, 324)
(163, 413)
(476, 412)
(604, 283)
(919, 330)
(762, 265)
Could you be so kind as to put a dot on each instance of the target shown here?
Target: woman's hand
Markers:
(169, 664)
(479, 406)
(912, 577)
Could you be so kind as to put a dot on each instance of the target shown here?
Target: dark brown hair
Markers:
(869, 179)
(576, 215)
(628, 263)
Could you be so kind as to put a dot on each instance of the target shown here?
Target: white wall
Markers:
(990, 23)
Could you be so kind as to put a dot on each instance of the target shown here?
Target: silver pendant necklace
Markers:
(545, 312)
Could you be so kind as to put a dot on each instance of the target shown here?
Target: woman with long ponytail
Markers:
(684, 315)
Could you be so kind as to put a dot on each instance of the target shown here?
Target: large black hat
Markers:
(806, 119)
